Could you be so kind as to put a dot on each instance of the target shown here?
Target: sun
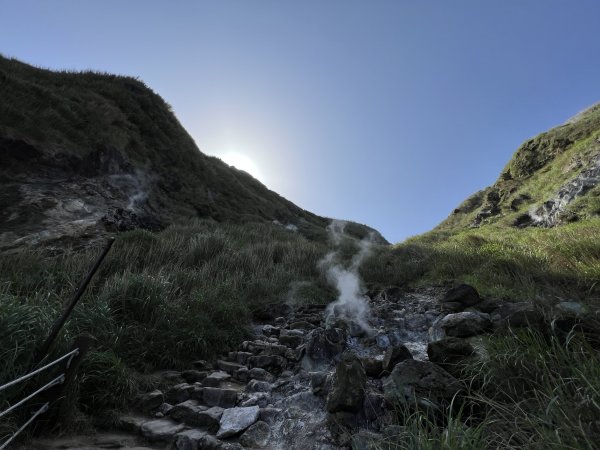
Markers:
(242, 162)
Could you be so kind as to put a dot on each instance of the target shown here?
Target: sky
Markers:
(388, 113)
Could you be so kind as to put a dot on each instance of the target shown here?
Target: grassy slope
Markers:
(76, 114)
(535, 389)
(159, 301)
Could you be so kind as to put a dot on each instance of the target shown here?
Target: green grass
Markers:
(159, 300)
(514, 264)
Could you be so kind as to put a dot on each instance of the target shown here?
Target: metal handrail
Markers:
(42, 410)
(71, 354)
(58, 380)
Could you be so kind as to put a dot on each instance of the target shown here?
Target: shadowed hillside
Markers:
(82, 154)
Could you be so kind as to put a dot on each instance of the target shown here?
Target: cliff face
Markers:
(83, 154)
(551, 179)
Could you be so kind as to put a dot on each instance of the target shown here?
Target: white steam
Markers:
(351, 304)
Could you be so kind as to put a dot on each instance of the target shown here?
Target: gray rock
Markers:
(261, 374)
(571, 309)
(270, 330)
(189, 439)
(301, 325)
(464, 294)
(242, 374)
(216, 378)
(186, 412)
(161, 429)
(320, 383)
(373, 366)
(210, 418)
(261, 399)
(325, 345)
(193, 376)
(235, 420)
(258, 386)
(228, 366)
(393, 355)
(225, 398)
(270, 414)
(413, 379)
(348, 387)
(466, 323)
(150, 401)
(450, 353)
(517, 315)
(242, 357)
(268, 362)
(373, 406)
(382, 340)
(256, 436)
(131, 423)
(291, 341)
(202, 365)
(179, 393)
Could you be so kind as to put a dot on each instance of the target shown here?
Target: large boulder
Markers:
(466, 323)
(395, 354)
(413, 380)
(463, 294)
(235, 420)
(256, 436)
(517, 315)
(450, 353)
(325, 345)
(349, 383)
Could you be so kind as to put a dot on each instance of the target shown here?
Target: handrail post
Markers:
(58, 324)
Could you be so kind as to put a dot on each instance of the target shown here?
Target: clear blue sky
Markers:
(388, 113)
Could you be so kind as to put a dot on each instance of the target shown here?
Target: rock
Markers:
(517, 315)
(301, 325)
(450, 353)
(165, 408)
(161, 429)
(242, 374)
(179, 393)
(235, 420)
(571, 309)
(242, 357)
(256, 436)
(186, 412)
(291, 341)
(320, 383)
(465, 324)
(373, 406)
(262, 399)
(189, 439)
(366, 440)
(210, 418)
(225, 398)
(348, 387)
(489, 305)
(382, 340)
(229, 367)
(193, 376)
(202, 365)
(131, 423)
(373, 366)
(464, 294)
(280, 321)
(393, 355)
(258, 386)
(216, 378)
(325, 345)
(270, 330)
(261, 374)
(272, 363)
(270, 414)
(411, 379)
(150, 401)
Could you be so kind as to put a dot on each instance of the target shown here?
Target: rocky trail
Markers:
(304, 382)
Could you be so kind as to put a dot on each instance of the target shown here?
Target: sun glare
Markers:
(242, 162)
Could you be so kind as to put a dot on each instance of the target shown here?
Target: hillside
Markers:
(551, 179)
(84, 154)
(535, 233)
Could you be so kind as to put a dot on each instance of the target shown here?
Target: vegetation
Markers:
(512, 264)
(159, 300)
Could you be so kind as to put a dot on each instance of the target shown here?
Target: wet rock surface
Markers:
(299, 384)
